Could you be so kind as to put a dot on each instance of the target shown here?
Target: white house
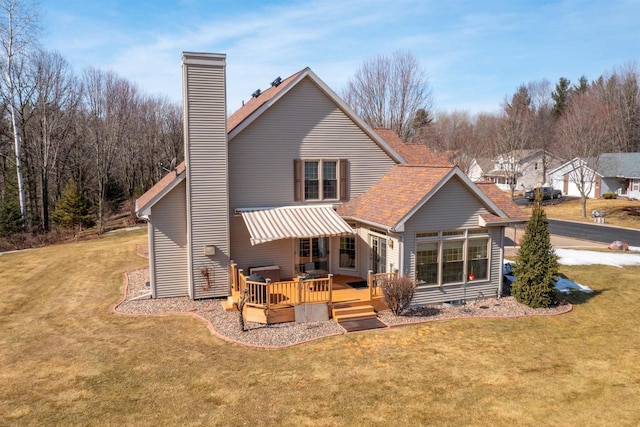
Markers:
(527, 167)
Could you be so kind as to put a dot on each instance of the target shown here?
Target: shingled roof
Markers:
(405, 188)
(167, 182)
(243, 116)
(395, 195)
(416, 154)
(258, 101)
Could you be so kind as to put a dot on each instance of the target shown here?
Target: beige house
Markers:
(295, 197)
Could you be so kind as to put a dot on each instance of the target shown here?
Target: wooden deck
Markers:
(275, 302)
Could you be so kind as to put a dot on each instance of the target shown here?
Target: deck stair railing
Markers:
(374, 280)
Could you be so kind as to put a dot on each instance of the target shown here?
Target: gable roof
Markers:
(162, 187)
(251, 110)
(410, 187)
(503, 200)
(248, 108)
(417, 154)
(621, 165)
(609, 165)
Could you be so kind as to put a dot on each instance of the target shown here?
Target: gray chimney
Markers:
(206, 154)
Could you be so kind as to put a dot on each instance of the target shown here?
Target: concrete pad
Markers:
(318, 312)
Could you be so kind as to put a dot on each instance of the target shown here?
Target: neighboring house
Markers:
(527, 167)
(617, 173)
(295, 182)
(479, 168)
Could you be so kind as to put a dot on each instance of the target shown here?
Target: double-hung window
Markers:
(320, 179)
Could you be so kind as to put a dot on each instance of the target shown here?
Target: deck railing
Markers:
(282, 294)
(375, 279)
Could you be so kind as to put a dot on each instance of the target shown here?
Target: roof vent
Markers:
(276, 82)
(256, 93)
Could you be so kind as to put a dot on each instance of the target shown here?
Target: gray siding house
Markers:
(617, 173)
(295, 183)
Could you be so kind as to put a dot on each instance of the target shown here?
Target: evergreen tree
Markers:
(582, 86)
(10, 217)
(561, 96)
(72, 208)
(536, 265)
(10, 213)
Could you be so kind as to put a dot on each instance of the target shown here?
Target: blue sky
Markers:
(474, 52)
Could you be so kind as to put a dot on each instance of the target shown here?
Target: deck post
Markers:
(330, 276)
(240, 288)
(234, 276)
(370, 284)
(299, 290)
(267, 285)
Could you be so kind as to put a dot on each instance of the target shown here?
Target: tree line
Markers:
(75, 147)
(568, 120)
(91, 140)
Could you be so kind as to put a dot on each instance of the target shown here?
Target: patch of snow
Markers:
(566, 286)
(16, 251)
(576, 257)
(563, 285)
(117, 230)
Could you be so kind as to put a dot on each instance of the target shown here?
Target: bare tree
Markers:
(620, 92)
(58, 94)
(387, 91)
(101, 131)
(582, 133)
(18, 31)
(543, 120)
(513, 136)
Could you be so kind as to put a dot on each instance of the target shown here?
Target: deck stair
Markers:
(230, 304)
(343, 313)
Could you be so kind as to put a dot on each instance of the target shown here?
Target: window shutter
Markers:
(297, 180)
(344, 180)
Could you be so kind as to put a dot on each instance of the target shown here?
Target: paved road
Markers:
(594, 232)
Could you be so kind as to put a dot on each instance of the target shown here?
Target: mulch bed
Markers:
(226, 325)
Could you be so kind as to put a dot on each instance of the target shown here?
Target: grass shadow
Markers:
(576, 296)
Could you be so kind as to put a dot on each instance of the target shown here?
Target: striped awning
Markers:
(266, 225)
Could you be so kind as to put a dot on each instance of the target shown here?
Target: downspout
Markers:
(401, 249)
(152, 257)
(500, 269)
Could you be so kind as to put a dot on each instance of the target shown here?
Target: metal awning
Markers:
(266, 225)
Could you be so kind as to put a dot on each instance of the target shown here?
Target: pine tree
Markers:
(536, 265)
(10, 217)
(10, 213)
(561, 96)
(72, 208)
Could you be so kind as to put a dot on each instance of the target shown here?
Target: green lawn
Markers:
(68, 360)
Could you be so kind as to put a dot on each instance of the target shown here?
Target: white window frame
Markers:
(451, 236)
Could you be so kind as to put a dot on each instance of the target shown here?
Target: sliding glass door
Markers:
(312, 255)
